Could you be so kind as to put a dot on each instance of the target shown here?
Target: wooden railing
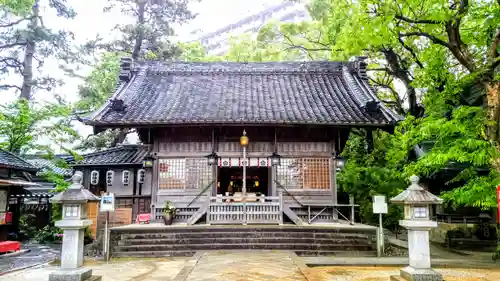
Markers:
(236, 210)
(459, 219)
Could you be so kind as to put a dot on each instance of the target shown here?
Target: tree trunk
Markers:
(141, 9)
(402, 74)
(493, 100)
(140, 25)
(29, 52)
(120, 137)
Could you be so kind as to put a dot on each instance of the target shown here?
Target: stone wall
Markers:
(438, 235)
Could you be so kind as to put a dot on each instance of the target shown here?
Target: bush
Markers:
(27, 229)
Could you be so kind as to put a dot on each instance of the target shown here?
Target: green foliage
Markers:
(97, 88)
(27, 229)
(368, 173)
(23, 123)
(100, 83)
(48, 234)
(148, 36)
(17, 6)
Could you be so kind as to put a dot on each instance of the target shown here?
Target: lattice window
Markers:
(180, 173)
(172, 173)
(199, 174)
(316, 173)
(124, 203)
(304, 173)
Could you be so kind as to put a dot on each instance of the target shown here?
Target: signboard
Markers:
(379, 204)
(498, 201)
(107, 202)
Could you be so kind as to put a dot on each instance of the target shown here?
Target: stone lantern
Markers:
(417, 202)
(74, 221)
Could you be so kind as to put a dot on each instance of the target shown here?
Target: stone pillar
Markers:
(420, 256)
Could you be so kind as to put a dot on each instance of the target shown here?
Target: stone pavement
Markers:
(246, 265)
(241, 266)
(38, 254)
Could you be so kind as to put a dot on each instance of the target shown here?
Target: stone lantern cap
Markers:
(415, 194)
(75, 192)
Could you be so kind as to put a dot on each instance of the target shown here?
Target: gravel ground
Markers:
(383, 273)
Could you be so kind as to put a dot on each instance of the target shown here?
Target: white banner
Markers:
(240, 162)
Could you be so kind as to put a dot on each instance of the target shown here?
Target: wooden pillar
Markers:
(333, 176)
(215, 148)
(154, 178)
(274, 169)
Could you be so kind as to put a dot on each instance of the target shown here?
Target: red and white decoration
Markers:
(240, 162)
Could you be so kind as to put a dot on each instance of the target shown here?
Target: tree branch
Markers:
(14, 22)
(10, 45)
(6, 86)
(428, 36)
(494, 45)
(403, 18)
(411, 51)
(12, 63)
(385, 69)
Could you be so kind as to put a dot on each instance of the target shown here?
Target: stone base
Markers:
(81, 274)
(413, 274)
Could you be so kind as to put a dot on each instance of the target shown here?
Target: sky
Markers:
(92, 21)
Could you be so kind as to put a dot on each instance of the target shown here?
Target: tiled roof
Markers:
(48, 165)
(122, 155)
(321, 93)
(12, 161)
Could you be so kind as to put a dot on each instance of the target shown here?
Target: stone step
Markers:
(243, 240)
(238, 246)
(153, 254)
(257, 234)
(308, 253)
(276, 229)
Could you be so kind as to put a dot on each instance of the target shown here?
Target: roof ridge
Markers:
(116, 148)
(161, 67)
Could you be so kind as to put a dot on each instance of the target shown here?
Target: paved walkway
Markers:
(38, 254)
(242, 266)
(246, 265)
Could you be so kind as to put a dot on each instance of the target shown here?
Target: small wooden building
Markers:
(117, 170)
(193, 114)
(15, 174)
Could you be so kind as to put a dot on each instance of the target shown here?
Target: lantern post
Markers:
(244, 144)
(417, 201)
(74, 221)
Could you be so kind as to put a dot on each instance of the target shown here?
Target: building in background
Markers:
(217, 42)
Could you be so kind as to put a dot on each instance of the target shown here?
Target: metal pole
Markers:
(244, 188)
(381, 233)
(351, 202)
(106, 237)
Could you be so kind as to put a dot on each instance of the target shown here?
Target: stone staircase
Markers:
(186, 240)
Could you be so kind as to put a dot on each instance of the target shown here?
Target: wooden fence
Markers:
(232, 210)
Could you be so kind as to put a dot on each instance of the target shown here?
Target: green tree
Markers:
(23, 124)
(149, 36)
(25, 44)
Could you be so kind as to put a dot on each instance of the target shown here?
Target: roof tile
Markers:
(10, 160)
(329, 93)
(122, 155)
